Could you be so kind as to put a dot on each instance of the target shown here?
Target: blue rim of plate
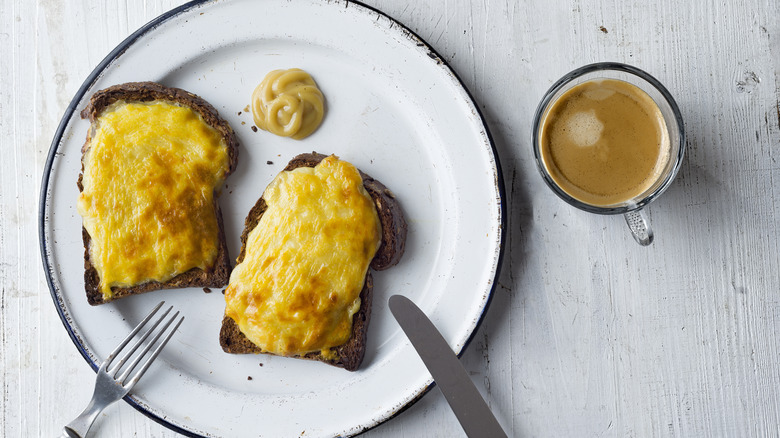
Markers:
(116, 53)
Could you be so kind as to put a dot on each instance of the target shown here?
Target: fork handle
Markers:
(79, 427)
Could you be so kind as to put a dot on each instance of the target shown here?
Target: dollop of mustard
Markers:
(288, 103)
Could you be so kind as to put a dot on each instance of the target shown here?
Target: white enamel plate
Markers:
(396, 111)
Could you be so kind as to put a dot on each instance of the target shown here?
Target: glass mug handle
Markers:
(639, 226)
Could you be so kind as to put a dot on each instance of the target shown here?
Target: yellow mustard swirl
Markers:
(288, 103)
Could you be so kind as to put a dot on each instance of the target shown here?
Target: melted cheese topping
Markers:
(288, 103)
(305, 263)
(148, 193)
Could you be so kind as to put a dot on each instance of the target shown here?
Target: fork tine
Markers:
(131, 335)
(154, 355)
(143, 353)
(129, 385)
(126, 355)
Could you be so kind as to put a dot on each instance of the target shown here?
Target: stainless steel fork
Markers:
(110, 385)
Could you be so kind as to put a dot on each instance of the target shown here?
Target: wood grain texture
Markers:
(588, 333)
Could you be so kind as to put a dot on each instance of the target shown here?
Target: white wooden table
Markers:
(588, 334)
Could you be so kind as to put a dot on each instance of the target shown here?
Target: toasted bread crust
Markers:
(149, 91)
(196, 277)
(349, 355)
(219, 274)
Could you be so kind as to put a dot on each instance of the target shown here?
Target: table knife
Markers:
(463, 397)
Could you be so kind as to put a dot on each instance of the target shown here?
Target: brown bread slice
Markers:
(394, 228)
(144, 92)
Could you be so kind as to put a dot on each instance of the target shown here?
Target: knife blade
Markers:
(463, 397)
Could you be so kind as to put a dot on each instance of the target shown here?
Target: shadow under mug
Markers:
(632, 208)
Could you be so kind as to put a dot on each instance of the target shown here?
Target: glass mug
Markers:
(557, 125)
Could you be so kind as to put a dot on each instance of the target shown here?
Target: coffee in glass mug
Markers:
(608, 138)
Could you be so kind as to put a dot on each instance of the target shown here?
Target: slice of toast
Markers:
(144, 92)
(349, 355)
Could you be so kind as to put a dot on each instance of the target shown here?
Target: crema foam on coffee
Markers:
(604, 142)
